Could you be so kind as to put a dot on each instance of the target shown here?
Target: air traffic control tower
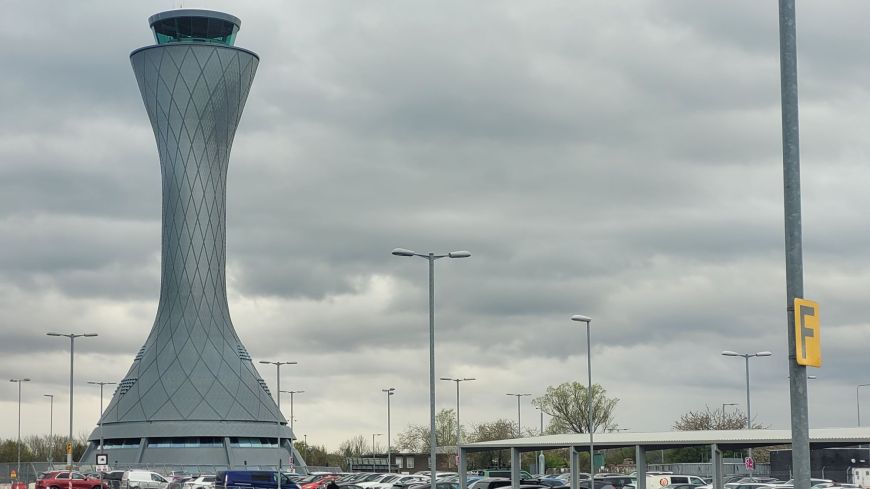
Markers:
(193, 396)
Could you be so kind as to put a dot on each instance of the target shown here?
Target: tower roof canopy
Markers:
(194, 25)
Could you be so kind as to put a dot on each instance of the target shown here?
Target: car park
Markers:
(789, 484)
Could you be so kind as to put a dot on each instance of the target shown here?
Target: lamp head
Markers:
(446, 378)
(763, 354)
(469, 378)
(403, 252)
(90, 335)
(729, 353)
(581, 318)
(459, 254)
(265, 362)
(53, 334)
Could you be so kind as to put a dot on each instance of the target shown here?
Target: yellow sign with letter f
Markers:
(807, 333)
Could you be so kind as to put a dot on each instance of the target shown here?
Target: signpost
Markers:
(807, 333)
(749, 463)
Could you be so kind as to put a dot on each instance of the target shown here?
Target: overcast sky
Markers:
(620, 160)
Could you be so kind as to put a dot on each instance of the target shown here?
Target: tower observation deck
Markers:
(193, 396)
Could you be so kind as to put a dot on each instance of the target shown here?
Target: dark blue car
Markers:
(246, 479)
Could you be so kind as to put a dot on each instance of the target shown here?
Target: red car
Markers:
(319, 483)
(59, 479)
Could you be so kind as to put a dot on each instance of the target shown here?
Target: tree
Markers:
(500, 429)
(567, 404)
(712, 420)
(354, 447)
(416, 437)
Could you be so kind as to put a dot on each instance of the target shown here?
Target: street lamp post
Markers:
(101, 384)
(18, 443)
(858, 401)
(746, 357)
(391, 391)
(458, 426)
(541, 453)
(50, 427)
(278, 399)
(373, 447)
(519, 419)
(72, 346)
(588, 321)
(292, 393)
(431, 257)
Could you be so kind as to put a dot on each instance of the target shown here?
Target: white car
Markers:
(373, 482)
(201, 482)
(143, 479)
(402, 481)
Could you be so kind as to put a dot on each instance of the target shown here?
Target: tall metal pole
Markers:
(519, 419)
(390, 391)
(280, 415)
(458, 430)
(50, 427)
(72, 342)
(72, 345)
(589, 402)
(431, 257)
(433, 461)
(800, 440)
(541, 458)
(748, 408)
(18, 443)
(588, 321)
(858, 401)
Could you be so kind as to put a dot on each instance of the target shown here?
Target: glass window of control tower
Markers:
(195, 29)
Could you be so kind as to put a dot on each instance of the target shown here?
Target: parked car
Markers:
(662, 480)
(320, 481)
(57, 479)
(143, 479)
(202, 482)
(178, 483)
(616, 480)
(789, 484)
(485, 473)
(247, 479)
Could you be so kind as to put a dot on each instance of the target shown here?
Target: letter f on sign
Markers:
(808, 343)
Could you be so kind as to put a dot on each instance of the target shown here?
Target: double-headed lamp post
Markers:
(746, 357)
(431, 257)
(50, 427)
(390, 391)
(519, 418)
(72, 346)
(458, 426)
(18, 443)
(292, 393)
(101, 384)
(588, 321)
(373, 447)
(278, 399)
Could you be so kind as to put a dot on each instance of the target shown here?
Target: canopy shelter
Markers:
(716, 440)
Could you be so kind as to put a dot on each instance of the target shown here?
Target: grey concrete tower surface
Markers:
(193, 396)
